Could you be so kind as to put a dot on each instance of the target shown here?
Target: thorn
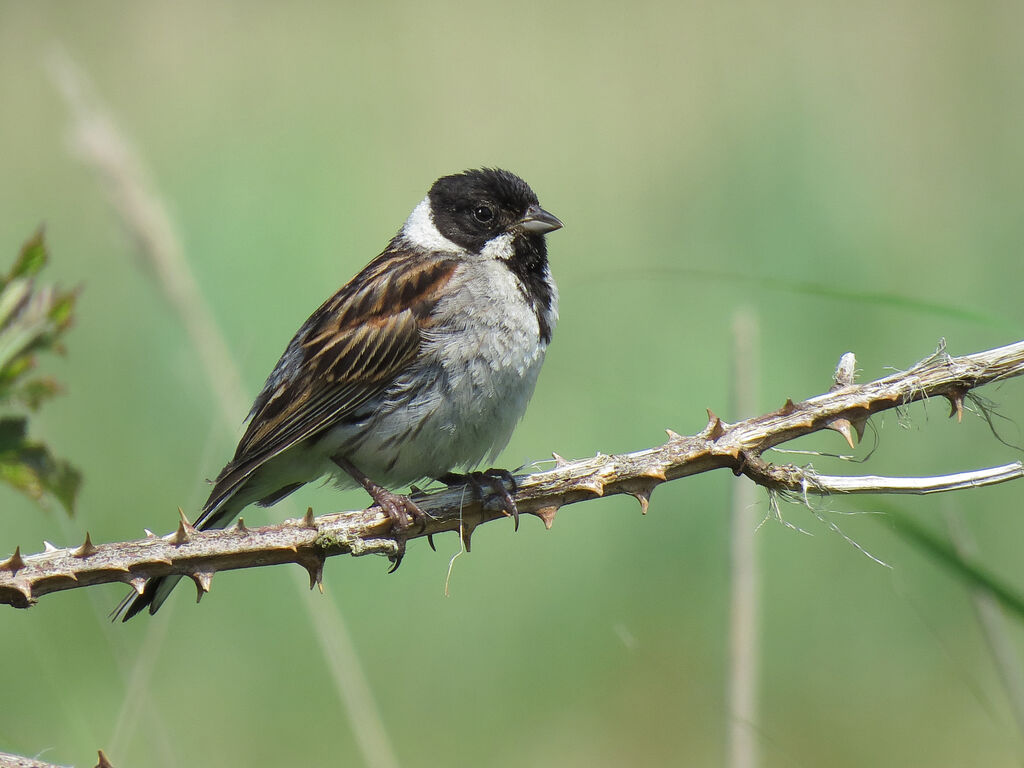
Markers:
(644, 497)
(956, 405)
(315, 566)
(715, 428)
(202, 580)
(547, 514)
(559, 461)
(846, 372)
(86, 549)
(672, 435)
(308, 521)
(185, 530)
(48, 547)
(594, 485)
(240, 526)
(14, 563)
(138, 584)
(430, 541)
(787, 407)
(466, 533)
(149, 533)
(859, 425)
(103, 763)
(842, 426)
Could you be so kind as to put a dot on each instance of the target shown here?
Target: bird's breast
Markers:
(487, 342)
(460, 400)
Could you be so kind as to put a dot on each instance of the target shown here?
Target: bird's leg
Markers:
(401, 509)
(497, 482)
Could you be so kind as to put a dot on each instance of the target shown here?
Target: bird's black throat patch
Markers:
(529, 263)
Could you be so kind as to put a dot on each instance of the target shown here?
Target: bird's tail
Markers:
(218, 512)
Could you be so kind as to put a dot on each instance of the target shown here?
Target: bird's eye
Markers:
(483, 214)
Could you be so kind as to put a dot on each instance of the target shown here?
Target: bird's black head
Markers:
(474, 207)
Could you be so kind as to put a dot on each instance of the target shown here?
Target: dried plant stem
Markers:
(744, 603)
(97, 139)
(16, 761)
(737, 447)
(805, 480)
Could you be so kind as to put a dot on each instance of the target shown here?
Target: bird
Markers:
(420, 365)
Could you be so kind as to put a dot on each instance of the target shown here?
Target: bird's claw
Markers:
(494, 481)
(396, 559)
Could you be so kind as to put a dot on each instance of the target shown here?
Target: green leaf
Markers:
(33, 318)
(35, 392)
(33, 470)
(64, 482)
(31, 259)
(61, 311)
(12, 433)
(13, 296)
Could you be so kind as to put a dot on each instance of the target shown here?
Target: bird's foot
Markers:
(401, 510)
(495, 482)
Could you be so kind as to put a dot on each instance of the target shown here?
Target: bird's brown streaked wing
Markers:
(348, 351)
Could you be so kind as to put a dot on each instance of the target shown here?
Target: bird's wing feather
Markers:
(347, 352)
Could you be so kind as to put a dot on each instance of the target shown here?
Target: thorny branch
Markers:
(17, 761)
(845, 408)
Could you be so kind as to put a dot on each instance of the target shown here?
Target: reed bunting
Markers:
(420, 365)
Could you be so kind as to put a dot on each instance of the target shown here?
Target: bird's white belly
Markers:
(461, 400)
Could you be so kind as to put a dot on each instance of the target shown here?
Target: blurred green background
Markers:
(706, 158)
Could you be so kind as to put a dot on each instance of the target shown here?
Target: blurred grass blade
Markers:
(992, 620)
(943, 551)
(810, 288)
(102, 144)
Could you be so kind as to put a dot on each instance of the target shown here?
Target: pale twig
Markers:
(804, 480)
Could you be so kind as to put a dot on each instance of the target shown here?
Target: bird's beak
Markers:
(537, 221)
